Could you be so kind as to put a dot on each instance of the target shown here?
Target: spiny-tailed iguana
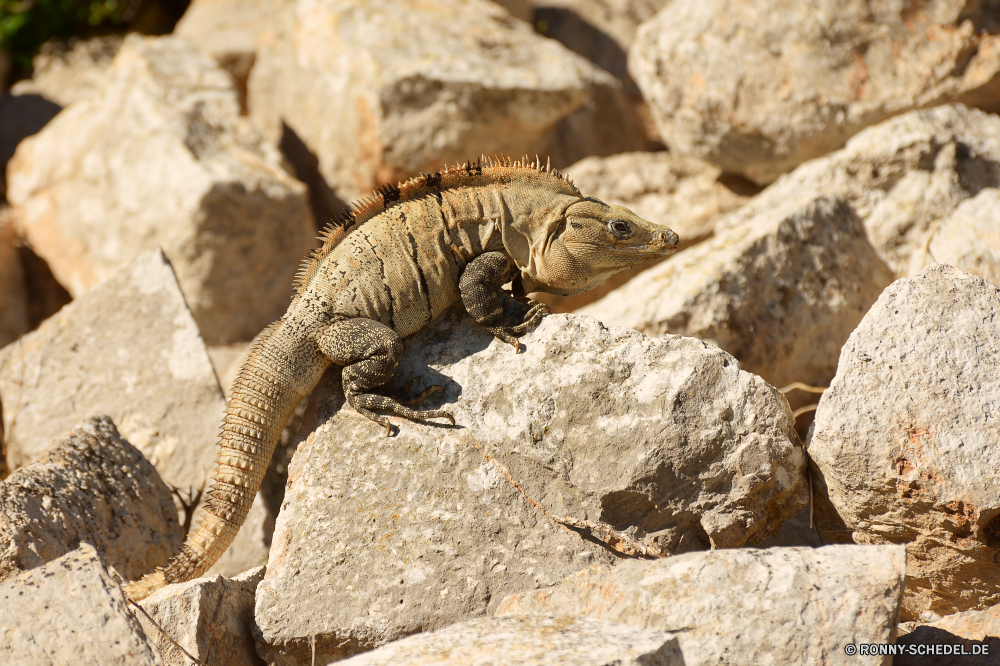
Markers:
(387, 267)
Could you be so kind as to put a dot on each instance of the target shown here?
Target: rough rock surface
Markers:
(972, 630)
(382, 89)
(13, 304)
(665, 439)
(64, 74)
(212, 618)
(781, 292)
(70, 611)
(760, 87)
(162, 158)
(902, 177)
(745, 606)
(529, 640)
(970, 238)
(128, 348)
(906, 438)
(93, 486)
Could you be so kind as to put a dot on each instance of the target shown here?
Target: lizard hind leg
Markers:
(370, 352)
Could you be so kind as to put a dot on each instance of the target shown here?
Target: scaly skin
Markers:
(389, 266)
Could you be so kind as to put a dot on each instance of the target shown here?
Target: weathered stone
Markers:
(212, 618)
(382, 89)
(760, 87)
(969, 239)
(67, 73)
(70, 611)
(902, 177)
(905, 439)
(161, 158)
(682, 193)
(746, 606)
(529, 640)
(970, 631)
(13, 306)
(781, 292)
(666, 440)
(128, 348)
(93, 486)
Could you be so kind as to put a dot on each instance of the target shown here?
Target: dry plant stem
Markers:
(189, 501)
(802, 387)
(803, 410)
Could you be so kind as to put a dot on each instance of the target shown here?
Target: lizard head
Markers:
(589, 241)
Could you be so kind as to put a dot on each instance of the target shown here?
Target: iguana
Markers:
(387, 267)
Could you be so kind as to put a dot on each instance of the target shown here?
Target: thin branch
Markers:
(803, 410)
(802, 387)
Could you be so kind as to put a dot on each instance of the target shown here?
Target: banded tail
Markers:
(264, 395)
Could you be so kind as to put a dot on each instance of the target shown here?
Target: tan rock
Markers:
(378, 90)
(381, 537)
(128, 348)
(13, 304)
(904, 441)
(760, 87)
(969, 239)
(161, 158)
(975, 633)
(781, 293)
(70, 611)
(743, 606)
(64, 74)
(211, 618)
(529, 640)
(90, 485)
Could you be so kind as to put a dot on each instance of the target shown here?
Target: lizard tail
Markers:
(264, 395)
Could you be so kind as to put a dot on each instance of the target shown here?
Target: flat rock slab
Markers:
(905, 439)
(93, 486)
(70, 611)
(381, 89)
(211, 617)
(780, 292)
(386, 536)
(529, 640)
(128, 348)
(759, 87)
(161, 157)
(745, 606)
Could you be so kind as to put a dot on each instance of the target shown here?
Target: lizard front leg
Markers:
(370, 352)
(485, 299)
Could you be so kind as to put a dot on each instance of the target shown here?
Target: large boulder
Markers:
(760, 87)
(781, 292)
(905, 440)
(969, 239)
(160, 157)
(529, 640)
(128, 348)
(13, 303)
(70, 611)
(211, 618)
(745, 606)
(665, 440)
(91, 485)
(378, 90)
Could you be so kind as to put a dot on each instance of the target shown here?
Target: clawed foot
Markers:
(365, 403)
(518, 322)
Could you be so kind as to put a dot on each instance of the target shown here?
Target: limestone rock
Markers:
(128, 348)
(666, 440)
(977, 633)
(93, 486)
(970, 238)
(529, 640)
(161, 158)
(13, 304)
(212, 618)
(781, 292)
(902, 177)
(760, 87)
(382, 89)
(745, 606)
(905, 439)
(70, 611)
(67, 73)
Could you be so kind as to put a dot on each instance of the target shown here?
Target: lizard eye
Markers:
(620, 228)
